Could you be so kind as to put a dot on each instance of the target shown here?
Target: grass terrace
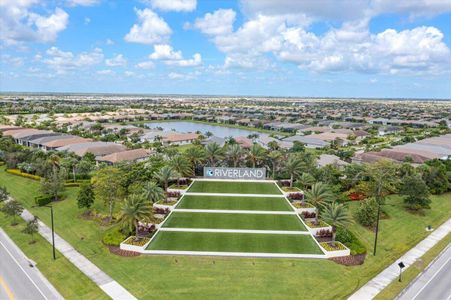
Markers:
(234, 187)
(234, 242)
(234, 221)
(234, 203)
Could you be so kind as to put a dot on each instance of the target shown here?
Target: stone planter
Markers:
(306, 209)
(181, 191)
(314, 230)
(336, 253)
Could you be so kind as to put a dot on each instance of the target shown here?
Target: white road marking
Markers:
(430, 279)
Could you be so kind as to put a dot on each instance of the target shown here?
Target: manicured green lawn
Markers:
(234, 242)
(233, 187)
(234, 203)
(234, 221)
(188, 277)
(65, 277)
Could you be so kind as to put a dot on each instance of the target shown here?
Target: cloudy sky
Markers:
(367, 48)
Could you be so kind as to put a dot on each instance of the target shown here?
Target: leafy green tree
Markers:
(165, 175)
(297, 147)
(4, 194)
(415, 191)
(336, 215)
(383, 180)
(53, 184)
(234, 154)
(434, 174)
(319, 195)
(153, 192)
(12, 208)
(366, 213)
(275, 158)
(107, 183)
(70, 163)
(31, 228)
(306, 180)
(181, 165)
(196, 156)
(293, 166)
(256, 154)
(273, 146)
(134, 210)
(213, 153)
(85, 197)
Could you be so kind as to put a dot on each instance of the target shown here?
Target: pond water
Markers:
(216, 130)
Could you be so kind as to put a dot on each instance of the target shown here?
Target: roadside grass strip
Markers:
(234, 203)
(234, 221)
(234, 242)
(232, 187)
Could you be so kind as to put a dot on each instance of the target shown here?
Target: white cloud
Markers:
(19, 24)
(62, 61)
(173, 5)
(150, 30)
(105, 72)
(217, 23)
(87, 20)
(82, 2)
(146, 65)
(167, 54)
(180, 76)
(117, 61)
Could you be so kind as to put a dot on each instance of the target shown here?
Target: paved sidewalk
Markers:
(105, 282)
(383, 279)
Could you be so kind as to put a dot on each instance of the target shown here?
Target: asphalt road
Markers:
(434, 283)
(18, 280)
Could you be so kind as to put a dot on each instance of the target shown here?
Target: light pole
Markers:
(401, 266)
(377, 227)
(53, 228)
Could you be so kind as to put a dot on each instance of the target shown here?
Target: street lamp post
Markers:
(53, 228)
(377, 227)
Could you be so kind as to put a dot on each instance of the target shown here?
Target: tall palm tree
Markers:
(234, 154)
(153, 192)
(213, 153)
(196, 156)
(293, 166)
(275, 157)
(306, 180)
(318, 196)
(134, 210)
(337, 216)
(181, 165)
(256, 154)
(164, 175)
(54, 161)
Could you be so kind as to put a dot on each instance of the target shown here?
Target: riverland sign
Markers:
(235, 173)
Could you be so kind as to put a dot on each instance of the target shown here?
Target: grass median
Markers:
(233, 187)
(234, 203)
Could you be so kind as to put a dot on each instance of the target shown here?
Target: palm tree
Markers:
(337, 216)
(213, 153)
(196, 156)
(164, 175)
(234, 154)
(256, 154)
(318, 196)
(134, 210)
(274, 157)
(153, 192)
(181, 165)
(306, 180)
(54, 161)
(293, 166)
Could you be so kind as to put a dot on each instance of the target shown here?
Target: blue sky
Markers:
(349, 48)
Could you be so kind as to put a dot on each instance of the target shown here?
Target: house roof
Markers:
(96, 148)
(243, 141)
(128, 155)
(20, 133)
(65, 142)
(328, 159)
(180, 137)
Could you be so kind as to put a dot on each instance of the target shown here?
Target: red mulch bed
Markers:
(350, 260)
(118, 251)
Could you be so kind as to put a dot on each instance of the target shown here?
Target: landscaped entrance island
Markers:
(234, 218)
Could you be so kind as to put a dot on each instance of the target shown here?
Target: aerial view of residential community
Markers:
(229, 149)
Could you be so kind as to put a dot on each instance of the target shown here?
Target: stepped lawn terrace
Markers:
(234, 218)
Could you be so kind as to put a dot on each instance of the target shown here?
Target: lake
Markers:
(216, 130)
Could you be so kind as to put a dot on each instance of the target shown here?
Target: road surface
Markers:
(434, 283)
(18, 280)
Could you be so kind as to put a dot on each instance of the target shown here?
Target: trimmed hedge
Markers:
(113, 237)
(45, 199)
(23, 174)
(71, 183)
(351, 241)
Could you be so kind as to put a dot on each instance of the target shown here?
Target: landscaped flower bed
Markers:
(295, 196)
(288, 189)
(139, 242)
(321, 224)
(308, 215)
(302, 204)
(169, 202)
(330, 247)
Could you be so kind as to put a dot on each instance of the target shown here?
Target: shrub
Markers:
(113, 237)
(161, 211)
(351, 241)
(296, 196)
(43, 200)
(308, 215)
(175, 194)
(366, 214)
(324, 233)
(284, 183)
(146, 229)
(23, 174)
